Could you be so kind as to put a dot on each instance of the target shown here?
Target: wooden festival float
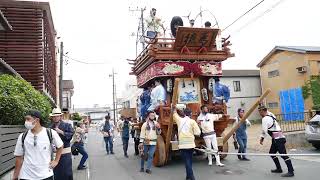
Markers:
(186, 66)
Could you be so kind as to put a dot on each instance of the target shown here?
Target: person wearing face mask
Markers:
(34, 149)
(148, 139)
(206, 122)
(65, 131)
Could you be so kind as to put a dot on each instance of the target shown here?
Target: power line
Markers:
(243, 15)
(84, 62)
(260, 15)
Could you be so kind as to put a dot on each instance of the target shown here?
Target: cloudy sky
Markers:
(98, 31)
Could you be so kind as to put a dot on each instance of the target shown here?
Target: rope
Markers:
(251, 154)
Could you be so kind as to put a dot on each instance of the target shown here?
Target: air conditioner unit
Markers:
(302, 69)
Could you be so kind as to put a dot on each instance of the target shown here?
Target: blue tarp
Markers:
(292, 104)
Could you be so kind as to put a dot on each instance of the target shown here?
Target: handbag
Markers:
(74, 150)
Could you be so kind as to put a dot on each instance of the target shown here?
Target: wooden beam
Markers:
(170, 126)
(247, 114)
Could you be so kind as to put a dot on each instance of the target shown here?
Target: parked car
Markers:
(313, 131)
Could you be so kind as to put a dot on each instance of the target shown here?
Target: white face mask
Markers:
(29, 125)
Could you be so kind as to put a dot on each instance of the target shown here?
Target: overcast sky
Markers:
(99, 31)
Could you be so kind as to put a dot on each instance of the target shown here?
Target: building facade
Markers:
(245, 88)
(67, 95)
(285, 70)
(30, 47)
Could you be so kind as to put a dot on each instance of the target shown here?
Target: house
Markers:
(245, 88)
(129, 98)
(66, 95)
(285, 70)
(30, 47)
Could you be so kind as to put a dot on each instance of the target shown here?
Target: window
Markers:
(236, 86)
(65, 103)
(273, 105)
(273, 73)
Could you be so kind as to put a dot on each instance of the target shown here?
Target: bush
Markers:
(17, 96)
(76, 116)
(312, 88)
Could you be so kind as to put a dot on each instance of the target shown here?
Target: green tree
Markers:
(17, 96)
(312, 88)
(76, 116)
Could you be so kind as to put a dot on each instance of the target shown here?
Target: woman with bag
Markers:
(148, 140)
(79, 144)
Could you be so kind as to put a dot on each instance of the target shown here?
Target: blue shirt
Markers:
(221, 90)
(145, 103)
(67, 130)
(241, 132)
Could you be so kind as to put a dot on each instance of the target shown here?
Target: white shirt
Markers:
(237, 120)
(158, 94)
(207, 121)
(267, 122)
(37, 158)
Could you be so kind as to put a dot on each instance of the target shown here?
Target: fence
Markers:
(294, 121)
(8, 139)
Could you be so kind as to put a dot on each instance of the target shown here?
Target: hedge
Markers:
(17, 96)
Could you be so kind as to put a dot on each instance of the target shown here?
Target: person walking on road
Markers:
(241, 135)
(106, 130)
(136, 136)
(270, 126)
(81, 130)
(206, 121)
(34, 150)
(125, 128)
(187, 129)
(65, 131)
(148, 140)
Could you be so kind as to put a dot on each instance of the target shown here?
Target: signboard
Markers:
(166, 69)
(195, 37)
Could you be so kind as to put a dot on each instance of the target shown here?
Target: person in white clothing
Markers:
(271, 127)
(158, 96)
(206, 122)
(33, 151)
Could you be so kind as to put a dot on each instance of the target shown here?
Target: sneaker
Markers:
(148, 171)
(82, 168)
(210, 163)
(276, 170)
(220, 164)
(141, 170)
(239, 157)
(112, 152)
(245, 159)
(288, 174)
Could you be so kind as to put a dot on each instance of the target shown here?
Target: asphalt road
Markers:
(102, 166)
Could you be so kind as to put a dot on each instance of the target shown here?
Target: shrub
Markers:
(312, 88)
(17, 96)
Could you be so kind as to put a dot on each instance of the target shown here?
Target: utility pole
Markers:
(140, 27)
(114, 98)
(61, 75)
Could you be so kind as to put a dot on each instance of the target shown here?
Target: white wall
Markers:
(250, 91)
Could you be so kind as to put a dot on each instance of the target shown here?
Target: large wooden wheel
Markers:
(160, 153)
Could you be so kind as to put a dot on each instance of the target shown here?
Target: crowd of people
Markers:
(45, 153)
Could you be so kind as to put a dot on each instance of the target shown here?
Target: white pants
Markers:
(211, 141)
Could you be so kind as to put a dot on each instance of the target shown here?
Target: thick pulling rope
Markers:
(251, 154)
